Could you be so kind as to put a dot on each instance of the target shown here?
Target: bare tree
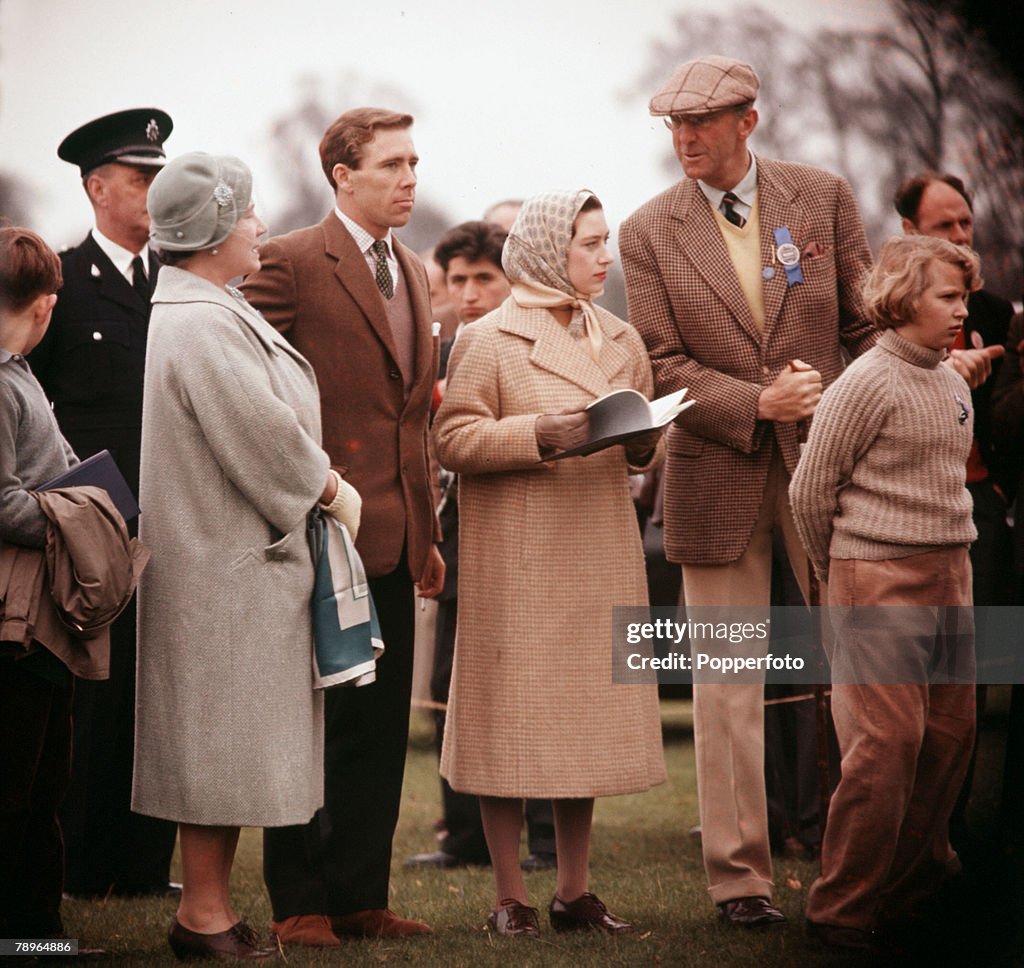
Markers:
(877, 105)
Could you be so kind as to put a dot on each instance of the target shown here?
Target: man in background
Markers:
(90, 363)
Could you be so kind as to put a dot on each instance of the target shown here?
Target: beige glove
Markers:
(346, 507)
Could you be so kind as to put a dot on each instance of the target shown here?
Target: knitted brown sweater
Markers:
(882, 473)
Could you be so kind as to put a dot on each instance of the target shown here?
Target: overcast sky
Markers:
(510, 98)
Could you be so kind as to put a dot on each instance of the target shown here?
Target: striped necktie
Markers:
(727, 208)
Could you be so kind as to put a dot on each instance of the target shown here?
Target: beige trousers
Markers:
(905, 748)
(728, 719)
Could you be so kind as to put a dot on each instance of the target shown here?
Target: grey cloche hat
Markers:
(196, 201)
(704, 85)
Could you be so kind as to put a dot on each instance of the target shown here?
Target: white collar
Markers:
(745, 190)
(362, 238)
(119, 255)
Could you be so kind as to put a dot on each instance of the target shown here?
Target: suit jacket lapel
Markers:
(777, 208)
(700, 240)
(419, 298)
(557, 352)
(354, 276)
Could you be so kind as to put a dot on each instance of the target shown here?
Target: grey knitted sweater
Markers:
(32, 450)
(882, 474)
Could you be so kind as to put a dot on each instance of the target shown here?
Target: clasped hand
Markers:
(792, 396)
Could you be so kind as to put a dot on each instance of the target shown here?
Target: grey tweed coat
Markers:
(228, 730)
(545, 551)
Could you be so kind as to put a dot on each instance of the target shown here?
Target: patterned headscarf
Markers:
(536, 258)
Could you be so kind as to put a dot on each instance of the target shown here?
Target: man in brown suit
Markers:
(743, 279)
(355, 302)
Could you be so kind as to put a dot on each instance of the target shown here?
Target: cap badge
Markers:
(152, 131)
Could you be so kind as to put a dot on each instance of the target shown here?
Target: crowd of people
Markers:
(856, 413)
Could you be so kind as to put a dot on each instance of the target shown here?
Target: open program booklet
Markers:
(622, 414)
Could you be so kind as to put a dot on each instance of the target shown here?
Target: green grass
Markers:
(643, 864)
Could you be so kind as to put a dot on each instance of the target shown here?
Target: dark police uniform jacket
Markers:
(91, 361)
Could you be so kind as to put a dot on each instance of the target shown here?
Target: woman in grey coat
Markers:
(229, 731)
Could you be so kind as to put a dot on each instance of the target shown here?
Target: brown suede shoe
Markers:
(377, 923)
(311, 930)
(238, 943)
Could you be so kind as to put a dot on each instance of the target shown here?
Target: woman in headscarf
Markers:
(229, 731)
(546, 550)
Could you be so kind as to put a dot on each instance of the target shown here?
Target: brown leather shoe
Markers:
(751, 912)
(586, 912)
(311, 930)
(377, 923)
(238, 943)
(837, 936)
(514, 919)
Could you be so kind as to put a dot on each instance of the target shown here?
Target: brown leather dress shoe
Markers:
(751, 912)
(837, 936)
(514, 919)
(238, 943)
(377, 923)
(311, 930)
(586, 912)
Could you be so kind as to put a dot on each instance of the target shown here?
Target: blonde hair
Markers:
(896, 282)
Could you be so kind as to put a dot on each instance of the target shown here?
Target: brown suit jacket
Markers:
(685, 299)
(315, 287)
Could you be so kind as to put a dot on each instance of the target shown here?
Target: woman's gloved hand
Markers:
(345, 506)
(561, 431)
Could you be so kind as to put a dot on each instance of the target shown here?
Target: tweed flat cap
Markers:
(704, 85)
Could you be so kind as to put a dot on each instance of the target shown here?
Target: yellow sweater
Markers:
(744, 245)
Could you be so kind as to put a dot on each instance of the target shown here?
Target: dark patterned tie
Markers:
(139, 281)
(385, 283)
(729, 200)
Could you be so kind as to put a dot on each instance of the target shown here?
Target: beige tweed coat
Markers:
(228, 730)
(545, 551)
(685, 300)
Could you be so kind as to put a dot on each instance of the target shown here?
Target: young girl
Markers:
(880, 502)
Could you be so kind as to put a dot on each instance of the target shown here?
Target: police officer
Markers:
(91, 364)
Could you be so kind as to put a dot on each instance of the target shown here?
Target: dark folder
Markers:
(99, 471)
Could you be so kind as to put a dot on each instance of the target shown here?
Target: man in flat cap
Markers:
(743, 279)
(90, 364)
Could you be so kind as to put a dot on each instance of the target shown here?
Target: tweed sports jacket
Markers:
(314, 287)
(685, 299)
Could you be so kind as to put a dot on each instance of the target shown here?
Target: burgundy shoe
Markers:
(238, 943)
(377, 923)
(514, 919)
(751, 912)
(587, 911)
